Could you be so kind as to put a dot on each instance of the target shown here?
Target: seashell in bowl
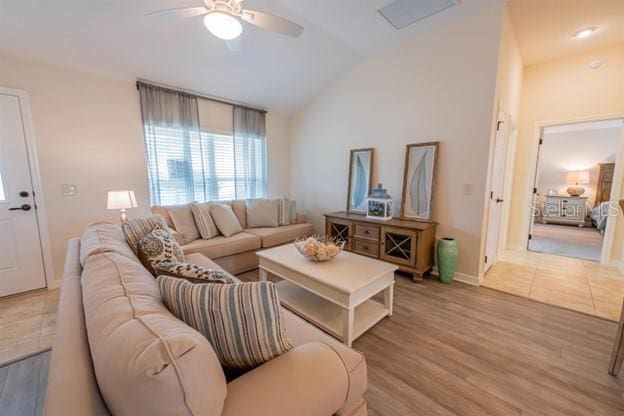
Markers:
(319, 248)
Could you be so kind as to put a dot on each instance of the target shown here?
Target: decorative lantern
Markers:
(379, 204)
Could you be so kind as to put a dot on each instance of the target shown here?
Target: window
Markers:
(201, 150)
(203, 167)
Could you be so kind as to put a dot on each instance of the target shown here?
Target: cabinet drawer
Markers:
(367, 248)
(366, 231)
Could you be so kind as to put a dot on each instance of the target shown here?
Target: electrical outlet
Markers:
(69, 190)
(468, 189)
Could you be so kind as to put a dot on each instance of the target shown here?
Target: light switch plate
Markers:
(69, 190)
(468, 189)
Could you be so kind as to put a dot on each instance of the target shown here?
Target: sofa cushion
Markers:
(263, 213)
(239, 207)
(147, 362)
(242, 321)
(281, 235)
(300, 332)
(136, 229)
(205, 224)
(159, 246)
(224, 246)
(184, 222)
(225, 219)
(103, 238)
(164, 213)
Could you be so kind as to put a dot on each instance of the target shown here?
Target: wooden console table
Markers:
(408, 244)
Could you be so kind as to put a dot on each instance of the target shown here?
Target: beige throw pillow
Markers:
(184, 223)
(225, 219)
(293, 211)
(284, 211)
(263, 213)
(205, 224)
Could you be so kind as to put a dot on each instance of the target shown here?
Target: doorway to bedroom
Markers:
(572, 193)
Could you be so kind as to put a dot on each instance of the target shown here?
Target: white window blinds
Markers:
(201, 150)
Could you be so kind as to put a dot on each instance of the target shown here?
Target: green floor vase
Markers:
(447, 259)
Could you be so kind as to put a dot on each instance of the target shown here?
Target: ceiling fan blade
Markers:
(273, 23)
(187, 11)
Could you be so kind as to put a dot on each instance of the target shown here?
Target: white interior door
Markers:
(21, 260)
(497, 184)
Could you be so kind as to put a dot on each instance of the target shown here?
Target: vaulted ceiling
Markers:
(115, 39)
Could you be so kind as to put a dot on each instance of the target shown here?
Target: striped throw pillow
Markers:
(135, 230)
(242, 321)
(205, 224)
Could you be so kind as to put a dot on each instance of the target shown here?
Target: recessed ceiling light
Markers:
(585, 33)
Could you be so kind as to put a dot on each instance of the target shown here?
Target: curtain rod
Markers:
(197, 94)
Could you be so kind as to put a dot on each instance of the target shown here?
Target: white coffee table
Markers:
(335, 295)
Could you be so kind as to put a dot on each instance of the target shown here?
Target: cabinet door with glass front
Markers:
(398, 245)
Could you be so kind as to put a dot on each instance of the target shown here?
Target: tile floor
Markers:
(27, 324)
(576, 284)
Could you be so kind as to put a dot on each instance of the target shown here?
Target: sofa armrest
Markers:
(309, 380)
(301, 218)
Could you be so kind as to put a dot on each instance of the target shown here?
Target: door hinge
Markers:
(486, 259)
(498, 125)
(530, 237)
(534, 190)
(491, 194)
(541, 141)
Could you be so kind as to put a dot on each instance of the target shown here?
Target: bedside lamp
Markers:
(577, 177)
(121, 200)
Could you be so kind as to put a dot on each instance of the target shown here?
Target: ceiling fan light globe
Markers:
(223, 25)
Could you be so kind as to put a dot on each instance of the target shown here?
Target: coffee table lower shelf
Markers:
(328, 316)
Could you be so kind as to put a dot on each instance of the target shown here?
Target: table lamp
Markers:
(577, 177)
(121, 200)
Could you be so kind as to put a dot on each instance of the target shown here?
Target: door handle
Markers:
(24, 207)
(498, 200)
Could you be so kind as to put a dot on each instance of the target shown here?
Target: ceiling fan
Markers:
(223, 18)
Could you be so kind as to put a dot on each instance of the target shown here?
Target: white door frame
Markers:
(616, 187)
(33, 162)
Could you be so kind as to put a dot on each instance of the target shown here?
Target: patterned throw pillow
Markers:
(192, 272)
(242, 321)
(136, 229)
(158, 246)
(205, 224)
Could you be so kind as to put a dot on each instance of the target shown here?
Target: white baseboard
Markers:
(460, 277)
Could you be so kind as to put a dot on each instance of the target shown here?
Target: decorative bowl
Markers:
(319, 248)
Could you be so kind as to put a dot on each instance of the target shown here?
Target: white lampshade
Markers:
(578, 177)
(121, 200)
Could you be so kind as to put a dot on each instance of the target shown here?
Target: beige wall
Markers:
(438, 86)
(508, 90)
(88, 133)
(565, 89)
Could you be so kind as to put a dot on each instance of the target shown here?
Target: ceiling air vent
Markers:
(402, 13)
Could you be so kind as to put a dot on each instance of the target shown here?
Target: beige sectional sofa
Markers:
(237, 254)
(119, 351)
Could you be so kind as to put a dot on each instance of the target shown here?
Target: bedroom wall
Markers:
(562, 90)
(437, 86)
(88, 133)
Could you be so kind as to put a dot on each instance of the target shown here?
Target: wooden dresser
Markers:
(408, 244)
